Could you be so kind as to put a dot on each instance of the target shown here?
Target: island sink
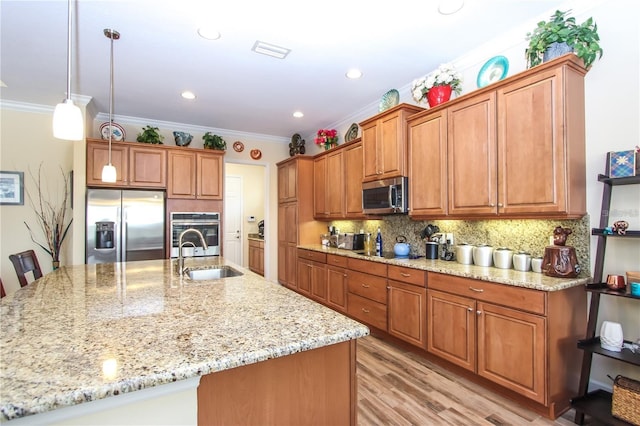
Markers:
(212, 273)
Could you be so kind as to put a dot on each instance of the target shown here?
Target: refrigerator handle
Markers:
(123, 245)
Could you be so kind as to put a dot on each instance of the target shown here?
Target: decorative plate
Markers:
(495, 69)
(352, 133)
(238, 146)
(389, 99)
(256, 154)
(118, 133)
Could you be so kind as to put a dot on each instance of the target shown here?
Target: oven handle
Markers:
(176, 222)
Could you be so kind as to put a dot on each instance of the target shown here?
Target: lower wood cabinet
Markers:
(312, 275)
(367, 297)
(256, 256)
(407, 305)
(337, 283)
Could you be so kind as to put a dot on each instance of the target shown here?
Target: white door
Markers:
(233, 219)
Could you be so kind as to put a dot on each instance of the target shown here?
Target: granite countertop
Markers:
(155, 327)
(512, 277)
(256, 237)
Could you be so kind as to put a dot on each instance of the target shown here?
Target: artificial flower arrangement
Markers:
(327, 138)
(444, 75)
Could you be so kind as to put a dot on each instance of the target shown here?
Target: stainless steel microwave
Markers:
(385, 196)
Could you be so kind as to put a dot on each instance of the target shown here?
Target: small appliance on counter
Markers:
(261, 229)
(560, 260)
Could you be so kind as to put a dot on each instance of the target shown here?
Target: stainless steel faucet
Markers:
(181, 244)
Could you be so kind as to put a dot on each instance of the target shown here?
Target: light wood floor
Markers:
(397, 387)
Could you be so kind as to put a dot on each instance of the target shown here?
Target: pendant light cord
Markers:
(111, 95)
(69, 50)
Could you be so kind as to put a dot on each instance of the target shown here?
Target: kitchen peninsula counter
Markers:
(532, 280)
(90, 332)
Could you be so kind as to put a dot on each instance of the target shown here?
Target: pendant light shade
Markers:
(67, 117)
(109, 171)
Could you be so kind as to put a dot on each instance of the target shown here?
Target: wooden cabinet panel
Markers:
(319, 282)
(335, 260)
(210, 172)
(367, 311)
(407, 275)
(335, 185)
(407, 311)
(291, 219)
(370, 151)
(512, 350)
(291, 257)
(182, 175)
(305, 276)
(147, 167)
(312, 255)
(427, 148)
(353, 176)
(392, 148)
(256, 256)
(451, 326)
(367, 267)
(287, 182)
(320, 209)
(369, 286)
(337, 288)
(98, 157)
(282, 263)
(471, 154)
(515, 297)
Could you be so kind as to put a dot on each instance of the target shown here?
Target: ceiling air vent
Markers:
(270, 49)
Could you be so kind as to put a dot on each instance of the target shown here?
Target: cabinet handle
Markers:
(478, 312)
(366, 311)
(477, 290)
(405, 275)
(500, 205)
(345, 275)
(470, 309)
(365, 285)
(492, 205)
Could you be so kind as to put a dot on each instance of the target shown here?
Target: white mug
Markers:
(611, 337)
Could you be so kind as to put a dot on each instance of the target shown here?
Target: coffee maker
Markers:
(261, 229)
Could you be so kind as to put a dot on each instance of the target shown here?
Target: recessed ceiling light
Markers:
(270, 49)
(449, 7)
(354, 74)
(188, 95)
(209, 33)
(298, 114)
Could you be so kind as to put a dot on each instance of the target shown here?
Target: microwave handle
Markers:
(392, 198)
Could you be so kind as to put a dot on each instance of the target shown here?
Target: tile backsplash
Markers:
(530, 235)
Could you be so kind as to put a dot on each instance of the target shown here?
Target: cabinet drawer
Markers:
(369, 286)
(374, 268)
(312, 255)
(334, 260)
(367, 311)
(514, 297)
(407, 275)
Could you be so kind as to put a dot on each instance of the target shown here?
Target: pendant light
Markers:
(67, 117)
(109, 170)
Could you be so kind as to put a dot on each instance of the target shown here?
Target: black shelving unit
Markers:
(597, 404)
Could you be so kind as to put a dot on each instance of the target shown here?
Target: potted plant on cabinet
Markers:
(214, 142)
(150, 135)
(560, 35)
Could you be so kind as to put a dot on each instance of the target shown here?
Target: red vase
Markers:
(438, 94)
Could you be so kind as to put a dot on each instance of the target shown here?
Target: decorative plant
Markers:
(214, 142)
(51, 217)
(327, 137)
(150, 135)
(562, 28)
(444, 75)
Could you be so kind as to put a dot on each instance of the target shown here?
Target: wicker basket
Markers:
(626, 400)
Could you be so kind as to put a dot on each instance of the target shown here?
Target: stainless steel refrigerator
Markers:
(124, 225)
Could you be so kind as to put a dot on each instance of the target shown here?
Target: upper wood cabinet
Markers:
(513, 149)
(353, 175)
(328, 181)
(384, 139)
(136, 166)
(427, 147)
(287, 182)
(195, 175)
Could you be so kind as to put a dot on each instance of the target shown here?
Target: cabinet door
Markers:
(182, 175)
(427, 148)
(319, 282)
(370, 152)
(320, 210)
(337, 288)
(305, 276)
(147, 167)
(260, 255)
(471, 155)
(282, 263)
(98, 157)
(291, 223)
(353, 175)
(282, 183)
(335, 185)
(512, 350)
(209, 177)
(407, 312)
(287, 181)
(532, 168)
(451, 327)
(292, 255)
(391, 148)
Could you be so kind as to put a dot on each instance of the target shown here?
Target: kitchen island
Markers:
(88, 334)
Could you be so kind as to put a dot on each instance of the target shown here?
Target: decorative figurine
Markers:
(620, 227)
(296, 146)
(560, 235)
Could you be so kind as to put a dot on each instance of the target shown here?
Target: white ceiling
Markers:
(159, 55)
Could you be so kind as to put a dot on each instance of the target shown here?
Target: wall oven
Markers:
(207, 223)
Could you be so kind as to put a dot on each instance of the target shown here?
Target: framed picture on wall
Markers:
(12, 188)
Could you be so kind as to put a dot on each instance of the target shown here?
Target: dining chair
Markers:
(25, 262)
